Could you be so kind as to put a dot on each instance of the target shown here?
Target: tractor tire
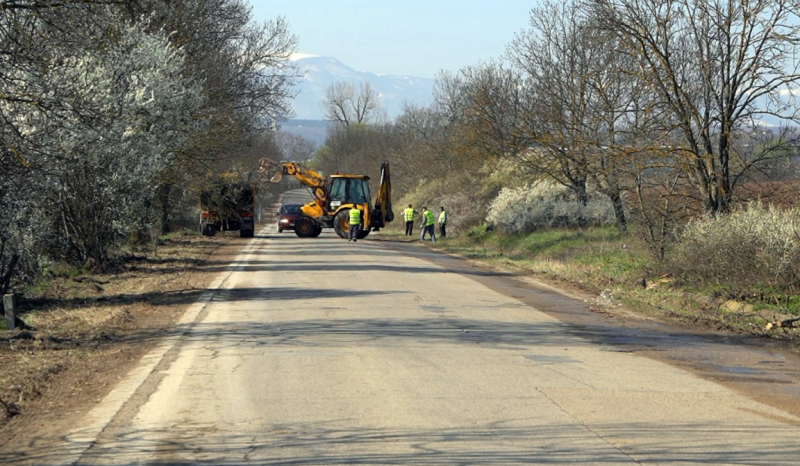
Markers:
(363, 233)
(247, 233)
(341, 223)
(209, 230)
(306, 227)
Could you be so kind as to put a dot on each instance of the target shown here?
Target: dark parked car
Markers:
(287, 216)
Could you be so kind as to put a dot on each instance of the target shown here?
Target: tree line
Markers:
(665, 107)
(114, 112)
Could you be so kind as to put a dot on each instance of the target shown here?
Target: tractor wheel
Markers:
(363, 233)
(209, 230)
(317, 232)
(341, 223)
(246, 233)
(306, 227)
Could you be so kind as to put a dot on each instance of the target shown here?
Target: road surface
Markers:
(321, 351)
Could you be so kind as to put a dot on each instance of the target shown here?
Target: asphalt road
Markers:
(321, 351)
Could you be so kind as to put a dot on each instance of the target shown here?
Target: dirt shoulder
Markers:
(88, 331)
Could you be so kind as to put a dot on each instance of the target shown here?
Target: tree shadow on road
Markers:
(515, 441)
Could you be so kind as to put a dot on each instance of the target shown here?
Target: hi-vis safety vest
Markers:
(409, 213)
(442, 218)
(355, 216)
(429, 218)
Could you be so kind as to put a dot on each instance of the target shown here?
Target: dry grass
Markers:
(85, 325)
(619, 272)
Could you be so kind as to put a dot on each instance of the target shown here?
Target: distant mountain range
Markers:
(321, 72)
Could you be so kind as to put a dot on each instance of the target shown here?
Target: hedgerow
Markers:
(754, 247)
(547, 204)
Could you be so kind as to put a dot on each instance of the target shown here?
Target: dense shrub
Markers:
(466, 197)
(546, 205)
(752, 247)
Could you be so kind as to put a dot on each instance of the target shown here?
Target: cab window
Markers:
(348, 190)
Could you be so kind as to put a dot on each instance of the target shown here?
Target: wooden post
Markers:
(10, 306)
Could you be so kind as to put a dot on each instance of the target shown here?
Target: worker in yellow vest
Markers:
(355, 225)
(442, 223)
(408, 215)
(428, 224)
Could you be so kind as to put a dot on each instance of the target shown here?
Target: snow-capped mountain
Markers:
(321, 72)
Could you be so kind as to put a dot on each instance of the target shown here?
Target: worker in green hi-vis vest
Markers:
(408, 216)
(428, 224)
(355, 225)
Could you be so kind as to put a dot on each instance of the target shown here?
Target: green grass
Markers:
(787, 304)
(599, 258)
(600, 253)
(594, 259)
(592, 245)
(40, 286)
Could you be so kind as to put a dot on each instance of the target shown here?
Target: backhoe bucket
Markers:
(276, 178)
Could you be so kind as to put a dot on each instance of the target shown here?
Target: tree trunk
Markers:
(164, 198)
(583, 199)
(619, 212)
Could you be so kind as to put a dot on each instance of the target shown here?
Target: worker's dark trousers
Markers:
(442, 230)
(429, 230)
(354, 231)
(409, 228)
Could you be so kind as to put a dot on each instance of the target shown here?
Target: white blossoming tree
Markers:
(94, 133)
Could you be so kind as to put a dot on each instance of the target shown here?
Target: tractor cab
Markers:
(349, 190)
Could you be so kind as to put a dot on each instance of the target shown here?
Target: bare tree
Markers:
(718, 67)
(347, 103)
(337, 105)
(294, 148)
(496, 109)
(558, 62)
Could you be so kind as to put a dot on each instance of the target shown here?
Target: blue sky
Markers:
(406, 37)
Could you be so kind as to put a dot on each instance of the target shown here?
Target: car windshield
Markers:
(291, 209)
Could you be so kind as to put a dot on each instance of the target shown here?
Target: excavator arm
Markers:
(309, 178)
(383, 203)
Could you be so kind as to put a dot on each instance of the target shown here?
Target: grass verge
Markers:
(82, 327)
(619, 270)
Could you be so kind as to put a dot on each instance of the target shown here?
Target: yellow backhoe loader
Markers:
(334, 196)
